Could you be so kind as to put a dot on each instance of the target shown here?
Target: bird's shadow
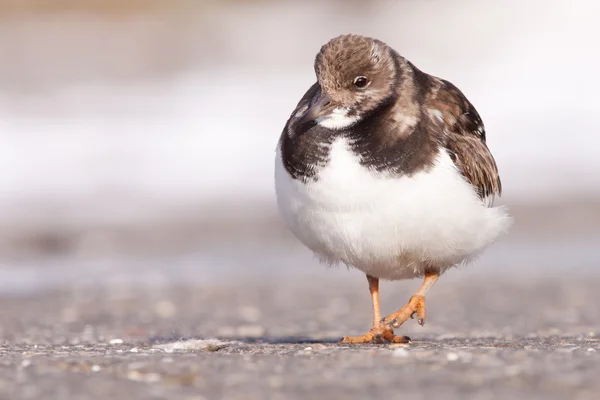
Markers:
(249, 340)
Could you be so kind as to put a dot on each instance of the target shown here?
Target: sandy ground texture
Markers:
(485, 339)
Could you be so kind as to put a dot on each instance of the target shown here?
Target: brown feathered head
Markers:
(356, 75)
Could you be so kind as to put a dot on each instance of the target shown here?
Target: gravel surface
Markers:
(484, 339)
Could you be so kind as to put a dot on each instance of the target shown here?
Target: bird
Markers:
(385, 168)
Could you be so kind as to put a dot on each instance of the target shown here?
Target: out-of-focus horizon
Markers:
(148, 126)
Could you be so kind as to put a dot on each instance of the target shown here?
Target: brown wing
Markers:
(464, 139)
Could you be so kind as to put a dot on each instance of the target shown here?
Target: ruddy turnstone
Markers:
(385, 168)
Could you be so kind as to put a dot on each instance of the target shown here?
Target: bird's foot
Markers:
(416, 305)
(378, 335)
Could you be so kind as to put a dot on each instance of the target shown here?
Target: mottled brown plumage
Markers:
(405, 115)
(463, 135)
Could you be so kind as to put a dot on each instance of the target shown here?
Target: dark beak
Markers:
(318, 109)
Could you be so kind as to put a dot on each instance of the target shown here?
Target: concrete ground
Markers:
(496, 338)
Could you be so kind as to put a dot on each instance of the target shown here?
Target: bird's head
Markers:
(356, 75)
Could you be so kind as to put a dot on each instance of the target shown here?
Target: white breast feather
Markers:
(337, 119)
(389, 227)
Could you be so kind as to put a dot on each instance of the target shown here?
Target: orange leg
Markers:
(416, 304)
(379, 332)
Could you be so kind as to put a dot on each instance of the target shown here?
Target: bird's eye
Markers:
(361, 82)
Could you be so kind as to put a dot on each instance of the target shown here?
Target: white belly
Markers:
(391, 228)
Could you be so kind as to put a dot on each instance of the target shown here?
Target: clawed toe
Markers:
(416, 305)
(367, 338)
(379, 335)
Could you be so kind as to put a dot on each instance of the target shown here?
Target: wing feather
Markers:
(464, 139)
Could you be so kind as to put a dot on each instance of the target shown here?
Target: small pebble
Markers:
(590, 350)
(95, 368)
(452, 356)
(134, 350)
(116, 341)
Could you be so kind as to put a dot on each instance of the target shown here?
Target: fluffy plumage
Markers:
(393, 178)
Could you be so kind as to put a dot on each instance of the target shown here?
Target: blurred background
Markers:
(137, 137)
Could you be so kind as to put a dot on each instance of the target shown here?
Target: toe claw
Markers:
(421, 321)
